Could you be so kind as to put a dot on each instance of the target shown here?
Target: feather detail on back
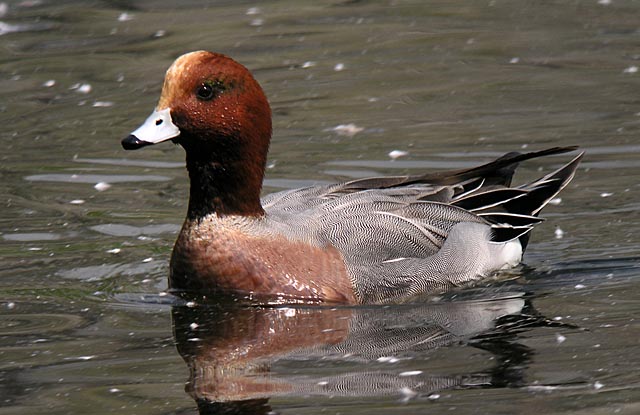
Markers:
(407, 235)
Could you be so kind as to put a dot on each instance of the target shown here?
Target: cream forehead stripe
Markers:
(180, 67)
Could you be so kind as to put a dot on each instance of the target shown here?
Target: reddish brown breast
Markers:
(211, 257)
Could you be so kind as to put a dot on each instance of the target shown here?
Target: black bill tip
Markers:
(131, 142)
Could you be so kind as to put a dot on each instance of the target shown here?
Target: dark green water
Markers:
(84, 328)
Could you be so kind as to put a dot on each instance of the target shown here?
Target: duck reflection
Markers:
(239, 357)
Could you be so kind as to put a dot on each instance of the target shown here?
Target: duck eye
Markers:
(205, 92)
(210, 89)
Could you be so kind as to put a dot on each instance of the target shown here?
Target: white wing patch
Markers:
(423, 228)
(388, 261)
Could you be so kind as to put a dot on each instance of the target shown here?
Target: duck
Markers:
(363, 241)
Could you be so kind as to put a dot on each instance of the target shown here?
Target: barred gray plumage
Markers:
(407, 235)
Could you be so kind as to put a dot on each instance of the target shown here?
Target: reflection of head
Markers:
(249, 407)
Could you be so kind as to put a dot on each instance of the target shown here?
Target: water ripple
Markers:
(42, 324)
(95, 178)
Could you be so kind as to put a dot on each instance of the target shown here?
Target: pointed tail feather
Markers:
(513, 212)
(498, 171)
(541, 191)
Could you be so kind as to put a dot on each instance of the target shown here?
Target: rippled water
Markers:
(87, 229)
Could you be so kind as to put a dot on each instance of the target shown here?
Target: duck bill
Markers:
(158, 127)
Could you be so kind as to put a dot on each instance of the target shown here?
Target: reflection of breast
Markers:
(231, 353)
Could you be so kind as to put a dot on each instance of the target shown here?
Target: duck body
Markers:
(250, 257)
(370, 240)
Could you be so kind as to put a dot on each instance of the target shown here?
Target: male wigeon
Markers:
(370, 240)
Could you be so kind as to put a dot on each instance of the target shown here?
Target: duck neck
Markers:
(224, 185)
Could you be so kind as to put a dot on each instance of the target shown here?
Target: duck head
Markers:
(213, 107)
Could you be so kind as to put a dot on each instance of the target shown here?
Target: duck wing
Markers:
(405, 235)
(438, 186)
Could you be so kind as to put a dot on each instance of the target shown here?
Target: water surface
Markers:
(86, 229)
